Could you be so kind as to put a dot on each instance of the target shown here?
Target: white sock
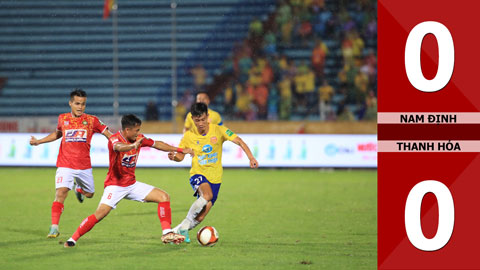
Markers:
(71, 240)
(55, 226)
(166, 231)
(184, 225)
(196, 208)
(193, 224)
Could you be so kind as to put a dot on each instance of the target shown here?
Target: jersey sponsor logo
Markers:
(207, 148)
(229, 132)
(129, 161)
(208, 159)
(213, 139)
(76, 135)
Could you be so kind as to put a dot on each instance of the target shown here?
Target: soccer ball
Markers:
(207, 236)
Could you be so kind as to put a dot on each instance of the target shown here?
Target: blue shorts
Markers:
(197, 179)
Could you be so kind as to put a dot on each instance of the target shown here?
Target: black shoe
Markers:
(69, 244)
(80, 196)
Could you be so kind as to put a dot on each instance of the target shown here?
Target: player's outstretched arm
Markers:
(49, 138)
(176, 156)
(124, 147)
(253, 162)
(159, 145)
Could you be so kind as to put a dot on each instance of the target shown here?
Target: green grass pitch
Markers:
(267, 219)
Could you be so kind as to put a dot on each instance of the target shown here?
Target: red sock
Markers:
(81, 191)
(86, 225)
(57, 209)
(165, 215)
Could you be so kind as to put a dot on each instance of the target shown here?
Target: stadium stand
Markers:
(347, 29)
(47, 48)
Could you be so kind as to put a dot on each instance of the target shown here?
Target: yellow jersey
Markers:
(207, 160)
(213, 118)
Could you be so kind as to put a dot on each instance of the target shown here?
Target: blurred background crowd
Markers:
(257, 59)
(305, 60)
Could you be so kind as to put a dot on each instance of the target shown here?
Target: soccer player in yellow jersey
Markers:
(206, 172)
(213, 116)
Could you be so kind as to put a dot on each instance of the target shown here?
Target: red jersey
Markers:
(77, 134)
(122, 164)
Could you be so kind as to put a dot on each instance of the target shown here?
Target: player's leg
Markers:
(163, 209)
(205, 194)
(157, 195)
(84, 184)
(63, 183)
(147, 193)
(88, 223)
(198, 183)
(201, 216)
(212, 192)
(56, 211)
(112, 195)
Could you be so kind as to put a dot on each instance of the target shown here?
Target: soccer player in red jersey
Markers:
(124, 148)
(74, 169)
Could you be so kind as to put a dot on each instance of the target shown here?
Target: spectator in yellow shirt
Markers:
(213, 116)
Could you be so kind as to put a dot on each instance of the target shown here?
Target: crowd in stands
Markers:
(266, 84)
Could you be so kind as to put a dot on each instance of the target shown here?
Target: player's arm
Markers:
(179, 155)
(176, 156)
(253, 162)
(125, 147)
(49, 138)
(159, 145)
(107, 133)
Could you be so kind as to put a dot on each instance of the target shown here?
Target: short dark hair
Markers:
(130, 120)
(77, 92)
(202, 92)
(199, 108)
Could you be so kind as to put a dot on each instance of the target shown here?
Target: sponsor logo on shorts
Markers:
(76, 135)
(129, 161)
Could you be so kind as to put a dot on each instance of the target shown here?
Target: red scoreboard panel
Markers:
(428, 134)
